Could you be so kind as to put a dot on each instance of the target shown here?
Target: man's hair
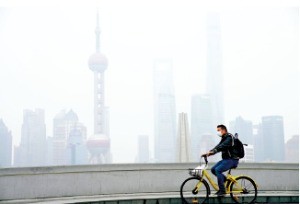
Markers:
(223, 127)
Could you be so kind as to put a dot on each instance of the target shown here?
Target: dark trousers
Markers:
(221, 167)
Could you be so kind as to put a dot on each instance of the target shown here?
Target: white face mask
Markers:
(219, 133)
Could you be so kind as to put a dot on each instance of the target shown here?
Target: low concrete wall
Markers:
(88, 180)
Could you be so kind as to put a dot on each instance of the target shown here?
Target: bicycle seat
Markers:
(234, 167)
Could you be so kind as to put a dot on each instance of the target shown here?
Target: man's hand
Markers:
(207, 154)
(204, 155)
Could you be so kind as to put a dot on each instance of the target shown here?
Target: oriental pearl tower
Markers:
(99, 144)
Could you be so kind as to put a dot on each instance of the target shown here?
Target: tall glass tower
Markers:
(214, 68)
(33, 145)
(202, 128)
(164, 112)
(273, 138)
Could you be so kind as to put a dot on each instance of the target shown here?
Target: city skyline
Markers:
(72, 132)
(70, 95)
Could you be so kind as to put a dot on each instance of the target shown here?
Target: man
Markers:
(229, 157)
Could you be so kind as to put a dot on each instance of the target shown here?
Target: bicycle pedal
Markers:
(236, 198)
(195, 200)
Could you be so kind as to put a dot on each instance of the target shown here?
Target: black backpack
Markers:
(238, 146)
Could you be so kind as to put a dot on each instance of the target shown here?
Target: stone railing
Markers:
(111, 179)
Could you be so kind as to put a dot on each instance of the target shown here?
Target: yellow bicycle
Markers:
(195, 189)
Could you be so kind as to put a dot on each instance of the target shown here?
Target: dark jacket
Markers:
(226, 147)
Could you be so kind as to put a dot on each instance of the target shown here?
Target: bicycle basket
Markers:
(197, 171)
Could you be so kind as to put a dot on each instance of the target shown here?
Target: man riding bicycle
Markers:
(229, 157)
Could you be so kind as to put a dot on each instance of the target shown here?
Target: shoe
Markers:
(217, 192)
(220, 194)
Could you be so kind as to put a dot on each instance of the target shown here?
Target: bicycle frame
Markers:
(229, 180)
(229, 177)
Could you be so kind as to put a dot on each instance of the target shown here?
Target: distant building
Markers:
(164, 112)
(99, 143)
(214, 79)
(201, 125)
(259, 151)
(143, 155)
(33, 147)
(207, 143)
(183, 139)
(244, 128)
(69, 140)
(292, 150)
(77, 152)
(5, 146)
(49, 151)
(249, 154)
(273, 138)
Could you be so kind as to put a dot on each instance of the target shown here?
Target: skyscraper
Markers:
(164, 112)
(50, 152)
(207, 142)
(214, 79)
(201, 125)
(273, 137)
(143, 155)
(76, 145)
(259, 151)
(183, 139)
(69, 139)
(244, 128)
(33, 147)
(99, 143)
(5, 146)
(249, 154)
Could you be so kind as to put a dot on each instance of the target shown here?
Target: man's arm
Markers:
(222, 146)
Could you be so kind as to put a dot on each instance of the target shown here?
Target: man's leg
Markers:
(222, 167)
(213, 169)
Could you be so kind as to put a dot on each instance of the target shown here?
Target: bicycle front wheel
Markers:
(244, 190)
(193, 190)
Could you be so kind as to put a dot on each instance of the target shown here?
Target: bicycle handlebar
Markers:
(205, 159)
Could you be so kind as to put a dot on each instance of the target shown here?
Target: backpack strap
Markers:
(232, 138)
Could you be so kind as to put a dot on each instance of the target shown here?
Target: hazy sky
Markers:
(44, 53)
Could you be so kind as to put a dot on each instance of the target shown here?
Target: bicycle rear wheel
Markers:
(244, 190)
(194, 191)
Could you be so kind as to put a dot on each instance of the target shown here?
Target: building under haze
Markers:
(5, 146)
(208, 142)
(33, 146)
(201, 125)
(259, 150)
(69, 140)
(214, 79)
(292, 149)
(143, 155)
(183, 150)
(77, 152)
(249, 154)
(164, 112)
(99, 143)
(244, 128)
(273, 138)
